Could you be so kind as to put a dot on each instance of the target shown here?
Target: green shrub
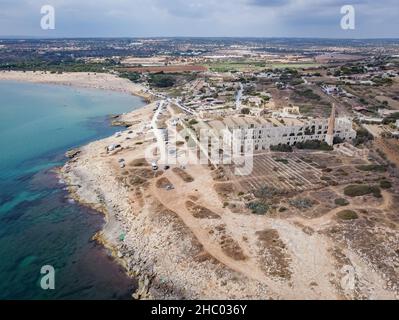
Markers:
(258, 207)
(385, 184)
(132, 76)
(314, 145)
(304, 203)
(281, 148)
(309, 94)
(356, 190)
(341, 202)
(347, 215)
(192, 122)
(162, 80)
(372, 167)
(362, 136)
(391, 118)
(285, 161)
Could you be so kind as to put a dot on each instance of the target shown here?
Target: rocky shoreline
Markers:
(150, 241)
(124, 256)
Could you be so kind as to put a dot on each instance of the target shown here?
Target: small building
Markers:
(288, 112)
(395, 134)
(330, 89)
(386, 112)
(371, 120)
(360, 109)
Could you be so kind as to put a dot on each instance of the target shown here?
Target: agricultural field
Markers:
(286, 172)
(248, 66)
(166, 69)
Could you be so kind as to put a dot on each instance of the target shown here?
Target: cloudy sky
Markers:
(147, 18)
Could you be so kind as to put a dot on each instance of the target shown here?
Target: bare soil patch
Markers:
(273, 259)
(224, 188)
(163, 183)
(183, 174)
(139, 163)
(164, 216)
(135, 180)
(201, 212)
(231, 248)
(144, 173)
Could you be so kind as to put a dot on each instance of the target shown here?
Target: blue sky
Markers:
(148, 18)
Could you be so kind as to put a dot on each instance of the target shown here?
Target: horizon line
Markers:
(13, 37)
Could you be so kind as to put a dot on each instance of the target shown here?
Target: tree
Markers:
(245, 111)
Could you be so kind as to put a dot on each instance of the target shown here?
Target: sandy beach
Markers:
(103, 81)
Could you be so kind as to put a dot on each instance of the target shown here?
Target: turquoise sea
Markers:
(39, 225)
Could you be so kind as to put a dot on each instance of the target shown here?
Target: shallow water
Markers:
(39, 225)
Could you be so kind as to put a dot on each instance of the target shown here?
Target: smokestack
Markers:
(331, 127)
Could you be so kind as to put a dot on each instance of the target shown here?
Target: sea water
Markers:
(39, 224)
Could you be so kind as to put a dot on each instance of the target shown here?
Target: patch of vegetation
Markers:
(303, 203)
(391, 118)
(349, 70)
(266, 193)
(162, 80)
(341, 202)
(59, 66)
(314, 145)
(258, 207)
(132, 76)
(337, 140)
(372, 167)
(281, 148)
(192, 122)
(347, 215)
(282, 160)
(385, 184)
(362, 136)
(245, 111)
(308, 94)
(380, 81)
(356, 190)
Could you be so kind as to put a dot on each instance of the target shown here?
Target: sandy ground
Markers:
(103, 81)
(202, 249)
